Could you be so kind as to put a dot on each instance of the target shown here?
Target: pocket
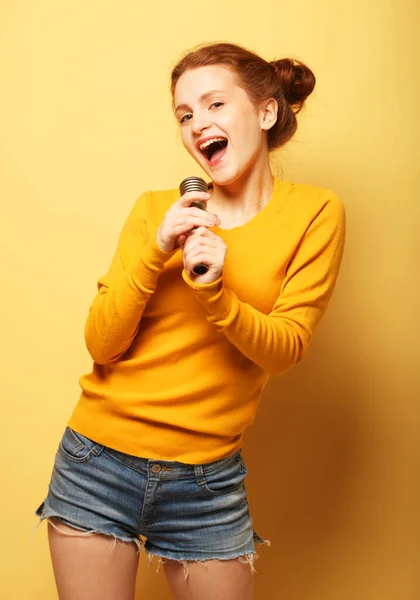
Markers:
(224, 476)
(78, 448)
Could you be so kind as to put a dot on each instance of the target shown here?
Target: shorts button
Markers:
(156, 468)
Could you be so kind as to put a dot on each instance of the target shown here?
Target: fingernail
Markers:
(207, 195)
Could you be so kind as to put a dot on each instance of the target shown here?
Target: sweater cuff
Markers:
(150, 265)
(153, 256)
(221, 304)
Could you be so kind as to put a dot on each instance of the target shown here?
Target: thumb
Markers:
(182, 239)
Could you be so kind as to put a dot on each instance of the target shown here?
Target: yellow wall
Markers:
(86, 126)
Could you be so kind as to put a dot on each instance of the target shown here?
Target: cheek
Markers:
(251, 133)
(246, 128)
(186, 140)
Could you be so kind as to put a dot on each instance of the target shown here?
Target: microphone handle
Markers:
(195, 184)
(200, 269)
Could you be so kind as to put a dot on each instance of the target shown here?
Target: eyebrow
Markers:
(203, 97)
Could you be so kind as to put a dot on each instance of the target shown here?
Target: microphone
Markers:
(195, 184)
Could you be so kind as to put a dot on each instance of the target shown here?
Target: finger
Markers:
(191, 246)
(192, 211)
(181, 240)
(191, 252)
(202, 234)
(203, 258)
(207, 232)
(204, 218)
(189, 197)
(186, 226)
(200, 242)
(199, 232)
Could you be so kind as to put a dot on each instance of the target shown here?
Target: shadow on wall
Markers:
(305, 454)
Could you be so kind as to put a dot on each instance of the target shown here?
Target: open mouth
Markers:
(214, 149)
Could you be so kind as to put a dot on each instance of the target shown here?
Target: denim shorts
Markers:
(186, 512)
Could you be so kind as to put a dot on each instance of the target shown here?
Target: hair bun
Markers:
(297, 80)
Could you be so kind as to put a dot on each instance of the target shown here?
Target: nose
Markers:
(200, 122)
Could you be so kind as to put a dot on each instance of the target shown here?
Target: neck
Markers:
(245, 197)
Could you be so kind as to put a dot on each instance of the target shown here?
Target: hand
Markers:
(204, 246)
(181, 219)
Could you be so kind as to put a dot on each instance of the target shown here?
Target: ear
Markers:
(268, 112)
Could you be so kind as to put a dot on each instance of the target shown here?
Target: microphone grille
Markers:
(192, 184)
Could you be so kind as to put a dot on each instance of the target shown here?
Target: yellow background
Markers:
(86, 126)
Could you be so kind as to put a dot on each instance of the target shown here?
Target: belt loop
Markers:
(97, 450)
(199, 474)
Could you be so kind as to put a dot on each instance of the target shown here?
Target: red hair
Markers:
(286, 80)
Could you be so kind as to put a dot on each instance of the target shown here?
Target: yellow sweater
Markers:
(178, 367)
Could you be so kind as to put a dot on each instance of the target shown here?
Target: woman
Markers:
(153, 447)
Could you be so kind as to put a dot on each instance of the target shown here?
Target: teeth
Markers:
(206, 144)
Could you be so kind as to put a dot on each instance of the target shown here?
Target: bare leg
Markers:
(213, 580)
(92, 567)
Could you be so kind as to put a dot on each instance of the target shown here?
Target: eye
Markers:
(216, 104)
(186, 117)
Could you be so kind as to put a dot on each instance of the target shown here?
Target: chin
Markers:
(224, 176)
(222, 180)
(228, 176)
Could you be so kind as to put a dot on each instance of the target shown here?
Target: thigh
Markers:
(91, 491)
(91, 566)
(212, 580)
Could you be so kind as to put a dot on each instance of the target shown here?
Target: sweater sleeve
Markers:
(279, 340)
(115, 314)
